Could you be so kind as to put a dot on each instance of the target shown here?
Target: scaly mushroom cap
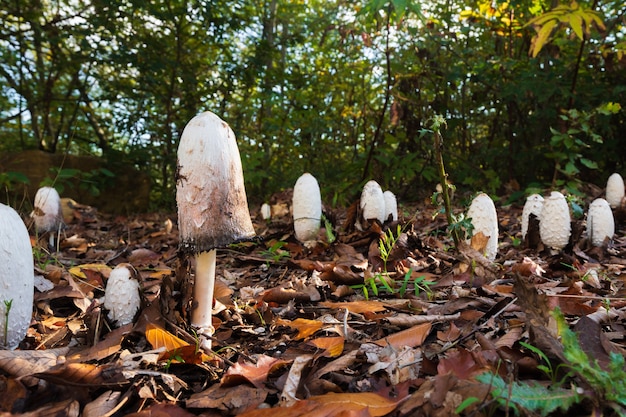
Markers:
(210, 193)
(391, 206)
(307, 208)
(615, 190)
(16, 278)
(484, 217)
(554, 221)
(372, 202)
(121, 296)
(600, 222)
(48, 214)
(533, 205)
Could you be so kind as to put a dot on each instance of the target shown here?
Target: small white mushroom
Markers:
(307, 208)
(534, 204)
(600, 222)
(555, 221)
(47, 213)
(212, 205)
(615, 190)
(484, 217)
(16, 278)
(391, 206)
(372, 202)
(266, 211)
(122, 296)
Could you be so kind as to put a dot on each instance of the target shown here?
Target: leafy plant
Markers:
(275, 252)
(91, 181)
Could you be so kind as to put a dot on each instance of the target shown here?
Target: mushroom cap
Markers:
(600, 222)
(48, 214)
(391, 206)
(554, 221)
(121, 296)
(266, 211)
(210, 192)
(615, 190)
(16, 277)
(484, 217)
(307, 208)
(533, 205)
(372, 202)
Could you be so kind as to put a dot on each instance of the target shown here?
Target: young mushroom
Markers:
(484, 217)
(16, 278)
(307, 208)
(391, 206)
(212, 205)
(534, 204)
(47, 213)
(615, 190)
(555, 221)
(600, 222)
(122, 296)
(372, 205)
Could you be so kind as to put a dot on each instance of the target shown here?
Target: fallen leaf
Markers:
(358, 307)
(254, 373)
(305, 327)
(376, 404)
(331, 346)
(411, 337)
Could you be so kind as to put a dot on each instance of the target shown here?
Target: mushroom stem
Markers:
(203, 293)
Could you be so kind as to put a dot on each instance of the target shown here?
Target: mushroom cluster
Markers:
(212, 205)
(16, 278)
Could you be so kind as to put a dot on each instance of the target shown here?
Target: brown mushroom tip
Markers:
(210, 193)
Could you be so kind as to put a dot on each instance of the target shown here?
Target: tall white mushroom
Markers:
(47, 213)
(555, 221)
(484, 217)
(391, 206)
(534, 204)
(212, 205)
(615, 190)
(307, 208)
(600, 222)
(16, 278)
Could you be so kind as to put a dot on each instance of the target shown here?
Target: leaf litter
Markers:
(331, 329)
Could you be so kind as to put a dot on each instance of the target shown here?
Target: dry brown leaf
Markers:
(79, 271)
(411, 337)
(162, 410)
(292, 381)
(176, 349)
(254, 373)
(358, 307)
(233, 400)
(331, 346)
(309, 409)
(21, 363)
(479, 242)
(85, 374)
(12, 391)
(102, 405)
(404, 320)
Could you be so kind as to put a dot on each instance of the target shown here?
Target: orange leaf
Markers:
(376, 404)
(332, 346)
(255, 373)
(175, 348)
(358, 307)
(305, 327)
(411, 337)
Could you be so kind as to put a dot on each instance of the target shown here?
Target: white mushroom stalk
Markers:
(600, 222)
(16, 278)
(307, 208)
(555, 221)
(615, 190)
(391, 206)
(47, 213)
(484, 218)
(122, 296)
(266, 212)
(534, 204)
(212, 205)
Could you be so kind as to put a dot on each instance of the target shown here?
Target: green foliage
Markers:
(7, 308)
(92, 181)
(275, 252)
(530, 397)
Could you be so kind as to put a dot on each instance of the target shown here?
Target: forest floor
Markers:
(329, 329)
